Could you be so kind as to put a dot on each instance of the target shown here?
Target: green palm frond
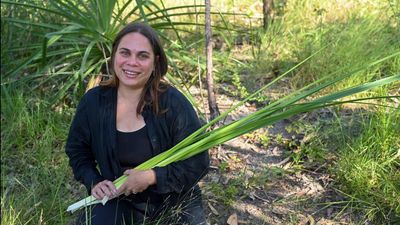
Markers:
(87, 28)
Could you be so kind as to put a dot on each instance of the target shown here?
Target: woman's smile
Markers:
(131, 73)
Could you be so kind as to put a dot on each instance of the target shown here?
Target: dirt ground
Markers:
(251, 182)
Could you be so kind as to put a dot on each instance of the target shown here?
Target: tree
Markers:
(212, 103)
(267, 5)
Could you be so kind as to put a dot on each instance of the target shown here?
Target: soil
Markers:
(256, 182)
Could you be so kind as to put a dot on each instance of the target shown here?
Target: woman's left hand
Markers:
(138, 181)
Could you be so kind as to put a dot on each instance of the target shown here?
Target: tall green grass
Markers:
(349, 45)
(353, 33)
(363, 148)
(368, 168)
(32, 157)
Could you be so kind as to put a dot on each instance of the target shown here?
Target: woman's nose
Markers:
(133, 60)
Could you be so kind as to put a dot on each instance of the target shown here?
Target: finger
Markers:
(127, 172)
(99, 194)
(111, 187)
(94, 193)
(106, 190)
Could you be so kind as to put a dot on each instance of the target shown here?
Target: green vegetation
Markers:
(48, 56)
(368, 168)
(34, 170)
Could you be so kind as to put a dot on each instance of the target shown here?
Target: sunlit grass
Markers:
(9, 215)
(352, 33)
(32, 157)
(368, 168)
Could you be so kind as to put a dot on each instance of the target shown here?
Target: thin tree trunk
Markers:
(212, 103)
(267, 5)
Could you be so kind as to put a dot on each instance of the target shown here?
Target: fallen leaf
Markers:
(233, 220)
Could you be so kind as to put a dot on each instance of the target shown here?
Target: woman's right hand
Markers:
(104, 188)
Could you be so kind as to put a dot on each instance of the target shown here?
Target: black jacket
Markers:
(92, 140)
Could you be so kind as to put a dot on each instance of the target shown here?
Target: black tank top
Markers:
(133, 148)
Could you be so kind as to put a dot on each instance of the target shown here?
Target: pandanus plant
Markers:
(300, 101)
(72, 39)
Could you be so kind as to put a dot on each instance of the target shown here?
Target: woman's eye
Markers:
(143, 56)
(124, 53)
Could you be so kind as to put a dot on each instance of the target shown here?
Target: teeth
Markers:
(131, 72)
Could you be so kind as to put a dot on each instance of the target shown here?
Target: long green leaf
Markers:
(85, 57)
(141, 5)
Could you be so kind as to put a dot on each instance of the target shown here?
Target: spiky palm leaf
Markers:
(78, 43)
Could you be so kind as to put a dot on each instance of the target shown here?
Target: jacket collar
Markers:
(108, 121)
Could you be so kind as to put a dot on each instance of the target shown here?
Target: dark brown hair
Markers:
(155, 85)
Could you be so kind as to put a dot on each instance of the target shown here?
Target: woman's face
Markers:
(134, 61)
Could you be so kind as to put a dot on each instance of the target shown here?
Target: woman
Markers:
(127, 120)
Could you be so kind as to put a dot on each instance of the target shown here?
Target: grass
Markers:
(32, 155)
(366, 168)
(362, 151)
(353, 34)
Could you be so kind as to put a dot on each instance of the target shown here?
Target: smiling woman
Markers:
(127, 120)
